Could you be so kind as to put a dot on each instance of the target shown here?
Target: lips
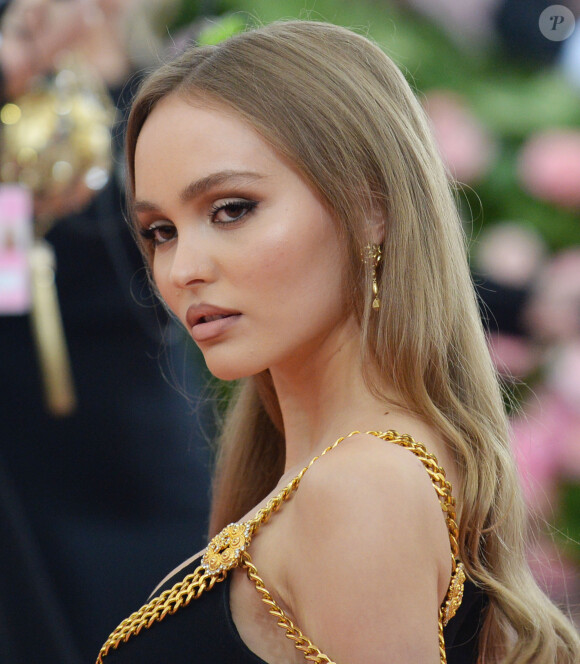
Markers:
(207, 321)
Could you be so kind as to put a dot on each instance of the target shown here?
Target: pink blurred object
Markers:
(513, 356)
(466, 146)
(557, 575)
(546, 435)
(553, 314)
(510, 252)
(564, 377)
(537, 441)
(549, 167)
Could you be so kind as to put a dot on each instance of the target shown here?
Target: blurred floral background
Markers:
(504, 101)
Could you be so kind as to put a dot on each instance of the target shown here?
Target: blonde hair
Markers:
(338, 108)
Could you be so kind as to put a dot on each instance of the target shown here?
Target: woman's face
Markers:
(244, 253)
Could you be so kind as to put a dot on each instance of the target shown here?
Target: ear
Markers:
(376, 222)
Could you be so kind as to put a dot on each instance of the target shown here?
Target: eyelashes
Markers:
(224, 214)
(158, 233)
(229, 212)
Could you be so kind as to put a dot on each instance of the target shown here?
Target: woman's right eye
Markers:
(158, 233)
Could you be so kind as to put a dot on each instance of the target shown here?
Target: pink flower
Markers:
(553, 314)
(465, 145)
(536, 438)
(549, 166)
(546, 434)
(513, 356)
(510, 252)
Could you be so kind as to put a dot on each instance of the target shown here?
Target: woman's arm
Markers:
(370, 560)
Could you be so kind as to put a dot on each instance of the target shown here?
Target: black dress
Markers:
(204, 632)
(201, 629)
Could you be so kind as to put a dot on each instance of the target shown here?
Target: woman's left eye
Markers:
(229, 212)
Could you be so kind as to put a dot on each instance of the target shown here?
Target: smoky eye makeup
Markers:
(224, 212)
(157, 233)
(231, 211)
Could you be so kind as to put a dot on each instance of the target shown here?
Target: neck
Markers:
(324, 395)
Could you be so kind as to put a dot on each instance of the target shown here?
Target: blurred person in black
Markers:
(94, 507)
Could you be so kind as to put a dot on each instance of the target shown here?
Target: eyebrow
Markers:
(203, 185)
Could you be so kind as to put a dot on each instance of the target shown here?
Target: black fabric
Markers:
(204, 632)
(96, 507)
(201, 633)
(462, 631)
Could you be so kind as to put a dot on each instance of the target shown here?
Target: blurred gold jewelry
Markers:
(48, 332)
(56, 141)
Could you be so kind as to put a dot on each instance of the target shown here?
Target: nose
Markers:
(191, 264)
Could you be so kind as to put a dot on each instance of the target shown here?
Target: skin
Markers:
(279, 264)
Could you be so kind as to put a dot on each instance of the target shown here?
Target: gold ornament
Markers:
(374, 254)
(48, 332)
(225, 550)
(56, 141)
(454, 593)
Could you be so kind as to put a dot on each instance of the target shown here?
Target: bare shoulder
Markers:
(380, 477)
(370, 548)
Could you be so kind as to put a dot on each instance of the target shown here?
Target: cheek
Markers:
(267, 255)
(297, 271)
(159, 269)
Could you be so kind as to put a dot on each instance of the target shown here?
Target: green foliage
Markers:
(221, 29)
(188, 11)
(515, 105)
(568, 522)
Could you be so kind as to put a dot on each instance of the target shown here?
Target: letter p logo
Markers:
(557, 22)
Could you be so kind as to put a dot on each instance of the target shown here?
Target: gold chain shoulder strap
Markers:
(228, 549)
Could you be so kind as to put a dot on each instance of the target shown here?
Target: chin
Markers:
(228, 374)
(231, 370)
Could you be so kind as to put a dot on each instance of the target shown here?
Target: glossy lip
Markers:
(204, 331)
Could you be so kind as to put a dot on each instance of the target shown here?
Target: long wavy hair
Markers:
(333, 104)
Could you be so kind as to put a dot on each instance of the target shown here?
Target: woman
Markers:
(297, 220)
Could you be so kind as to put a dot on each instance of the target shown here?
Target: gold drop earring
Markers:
(374, 253)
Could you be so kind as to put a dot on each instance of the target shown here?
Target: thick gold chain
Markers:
(228, 549)
(309, 650)
(182, 593)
